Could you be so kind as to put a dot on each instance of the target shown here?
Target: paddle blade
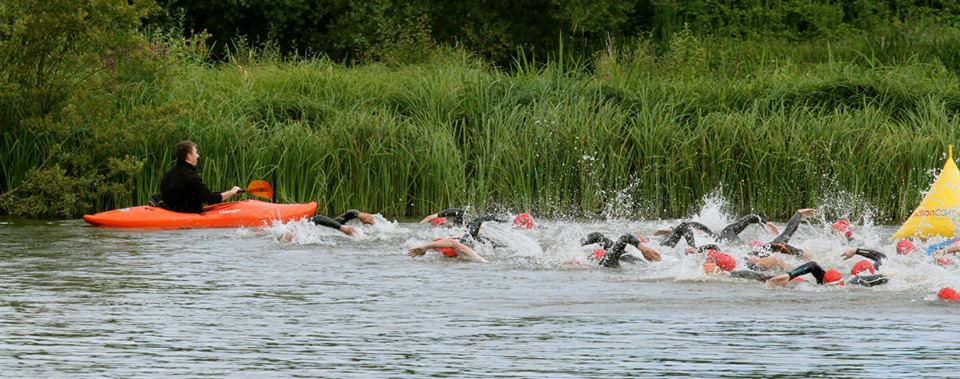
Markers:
(260, 188)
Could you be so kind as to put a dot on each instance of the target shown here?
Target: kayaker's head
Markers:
(523, 221)
(842, 228)
(905, 247)
(186, 151)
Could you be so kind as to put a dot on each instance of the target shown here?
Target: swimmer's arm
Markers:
(767, 263)
(454, 214)
(874, 255)
(597, 237)
(806, 268)
(333, 224)
(787, 249)
(703, 248)
(364, 217)
(952, 249)
(648, 252)
(466, 253)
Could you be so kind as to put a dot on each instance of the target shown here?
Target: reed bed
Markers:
(626, 134)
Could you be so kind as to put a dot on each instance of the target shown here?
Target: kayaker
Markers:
(182, 189)
(339, 223)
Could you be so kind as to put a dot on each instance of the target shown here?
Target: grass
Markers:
(774, 126)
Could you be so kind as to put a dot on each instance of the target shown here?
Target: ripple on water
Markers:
(84, 302)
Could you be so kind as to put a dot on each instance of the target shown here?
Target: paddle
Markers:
(259, 188)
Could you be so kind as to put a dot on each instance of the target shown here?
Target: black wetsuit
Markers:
(818, 272)
(729, 233)
(613, 247)
(453, 215)
(870, 280)
(807, 268)
(473, 230)
(776, 247)
(335, 223)
(182, 190)
(791, 228)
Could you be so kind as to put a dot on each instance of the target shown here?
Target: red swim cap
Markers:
(842, 226)
(438, 221)
(523, 220)
(598, 254)
(949, 294)
(863, 265)
(832, 276)
(944, 261)
(723, 261)
(446, 251)
(905, 247)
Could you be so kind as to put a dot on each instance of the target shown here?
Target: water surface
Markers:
(301, 301)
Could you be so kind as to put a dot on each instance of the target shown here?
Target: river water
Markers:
(298, 300)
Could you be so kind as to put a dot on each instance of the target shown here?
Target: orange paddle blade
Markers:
(260, 188)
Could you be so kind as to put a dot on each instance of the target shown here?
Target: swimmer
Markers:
(461, 246)
(832, 276)
(612, 252)
(339, 222)
(455, 216)
(841, 229)
(731, 232)
(938, 250)
(822, 276)
(446, 217)
(857, 276)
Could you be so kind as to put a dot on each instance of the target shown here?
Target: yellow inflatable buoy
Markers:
(936, 213)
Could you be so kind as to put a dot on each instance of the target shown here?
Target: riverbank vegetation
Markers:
(638, 124)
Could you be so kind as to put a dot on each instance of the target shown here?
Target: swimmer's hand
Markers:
(807, 212)
(649, 253)
(779, 280)
(365, 218)
(663, 232)
(347, 229)
(691, 250)
(849, 253)
(417, 252)
(773, 228)
(428, 218)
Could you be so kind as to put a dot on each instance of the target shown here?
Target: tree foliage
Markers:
(391, 30)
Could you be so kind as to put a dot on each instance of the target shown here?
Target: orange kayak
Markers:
(224, 215)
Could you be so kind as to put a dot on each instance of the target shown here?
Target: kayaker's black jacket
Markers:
(184, 191)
